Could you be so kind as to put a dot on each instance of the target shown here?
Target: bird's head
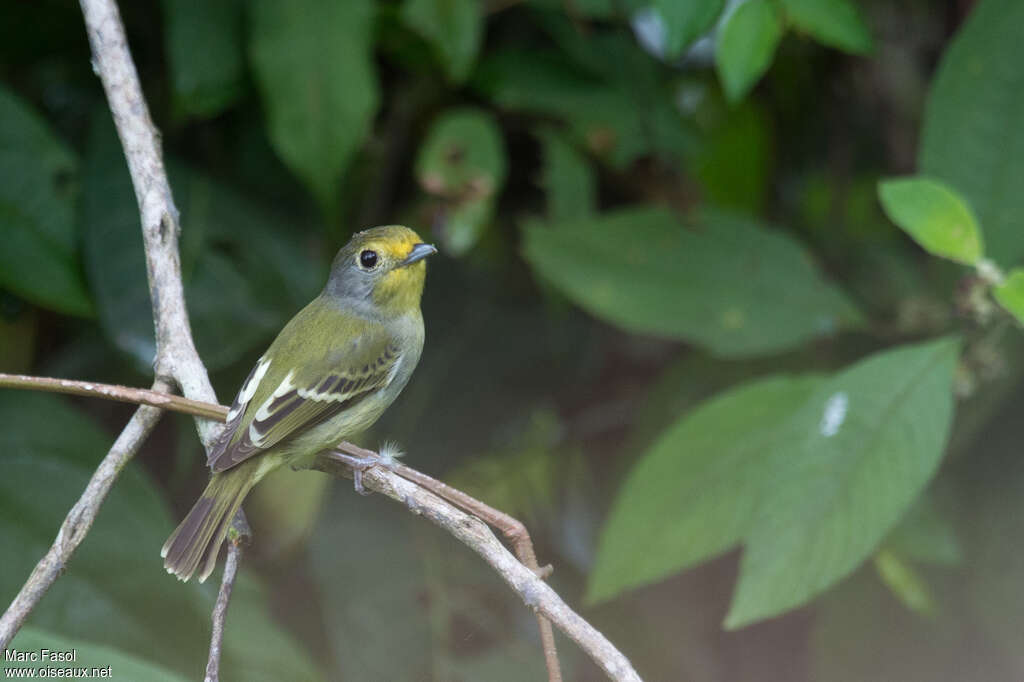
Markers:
(382, 266)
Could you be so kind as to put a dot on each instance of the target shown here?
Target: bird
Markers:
(330, 373)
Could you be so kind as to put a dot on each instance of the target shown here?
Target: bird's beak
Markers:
(418, 253)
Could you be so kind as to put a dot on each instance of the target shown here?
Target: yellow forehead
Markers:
(391, 241)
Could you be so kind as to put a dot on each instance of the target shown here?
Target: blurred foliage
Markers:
(678, 314)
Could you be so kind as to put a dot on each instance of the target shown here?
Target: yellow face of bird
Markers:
(384, 264)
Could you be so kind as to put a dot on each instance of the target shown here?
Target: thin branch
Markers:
(475, 534)
(139, 396)
(239, 537)
(177, 361)
(79, 520)
(176, 358)
(511, 527)
(425, 496)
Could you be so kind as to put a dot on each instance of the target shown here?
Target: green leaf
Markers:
(115, 591)
(935, 216)
(847, 466)
(568, 179)
(746, 46)
(904, 582)
(463, 161)
(87, 655)
(245, 274)
(609, 94)
(463, 154)
(204, 49)
(453, 27)
(686, 21)
(112, 249)
(1010, 293)
(725, 283)
(313, 63)
(925, 535)
(693, 495)
(972, 137)
(39, 259)
(836, 23)
(809, 473)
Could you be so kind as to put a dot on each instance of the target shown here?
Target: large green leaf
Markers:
(109, 662)
(746, 46)
(934, 216)
(39, 257)
(972, 135)
(313, 62)
(808, 473)
(722, 282)
(694, 493)
(115, 262)
(855, 457)
(204, 49)
(836, 23)
(685, 21)
(453, 27)
(245, 274)
(114, 591)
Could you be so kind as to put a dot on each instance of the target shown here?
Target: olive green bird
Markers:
(330, 373)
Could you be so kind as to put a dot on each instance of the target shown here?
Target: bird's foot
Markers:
(358, 464)
(363, 462)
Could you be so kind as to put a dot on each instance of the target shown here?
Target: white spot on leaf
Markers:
(835, 414)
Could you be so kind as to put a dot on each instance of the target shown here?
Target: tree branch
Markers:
(78, 521)
(177, 362)
(475, 534)
(176, 359)
(139, 396)
(425, 496)
(238, 538)
(512, 528)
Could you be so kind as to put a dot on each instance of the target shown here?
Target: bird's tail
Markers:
(196, 541)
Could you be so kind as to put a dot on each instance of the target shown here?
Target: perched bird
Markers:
(330, 373)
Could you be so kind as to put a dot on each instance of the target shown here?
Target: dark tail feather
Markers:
(196, 541)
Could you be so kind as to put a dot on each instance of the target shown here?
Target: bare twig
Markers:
(475, 534)
(176, 358)
(238, 538)
(78, 521)
(139, 396)
(425, 495)
(511, 527)
(177, 361)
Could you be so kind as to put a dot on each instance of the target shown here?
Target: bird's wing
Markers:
(276, 403)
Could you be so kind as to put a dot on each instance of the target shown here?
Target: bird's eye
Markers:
(368, 259)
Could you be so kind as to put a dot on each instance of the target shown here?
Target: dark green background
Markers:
(652, 289)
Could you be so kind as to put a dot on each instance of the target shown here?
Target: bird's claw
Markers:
(358, 466)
